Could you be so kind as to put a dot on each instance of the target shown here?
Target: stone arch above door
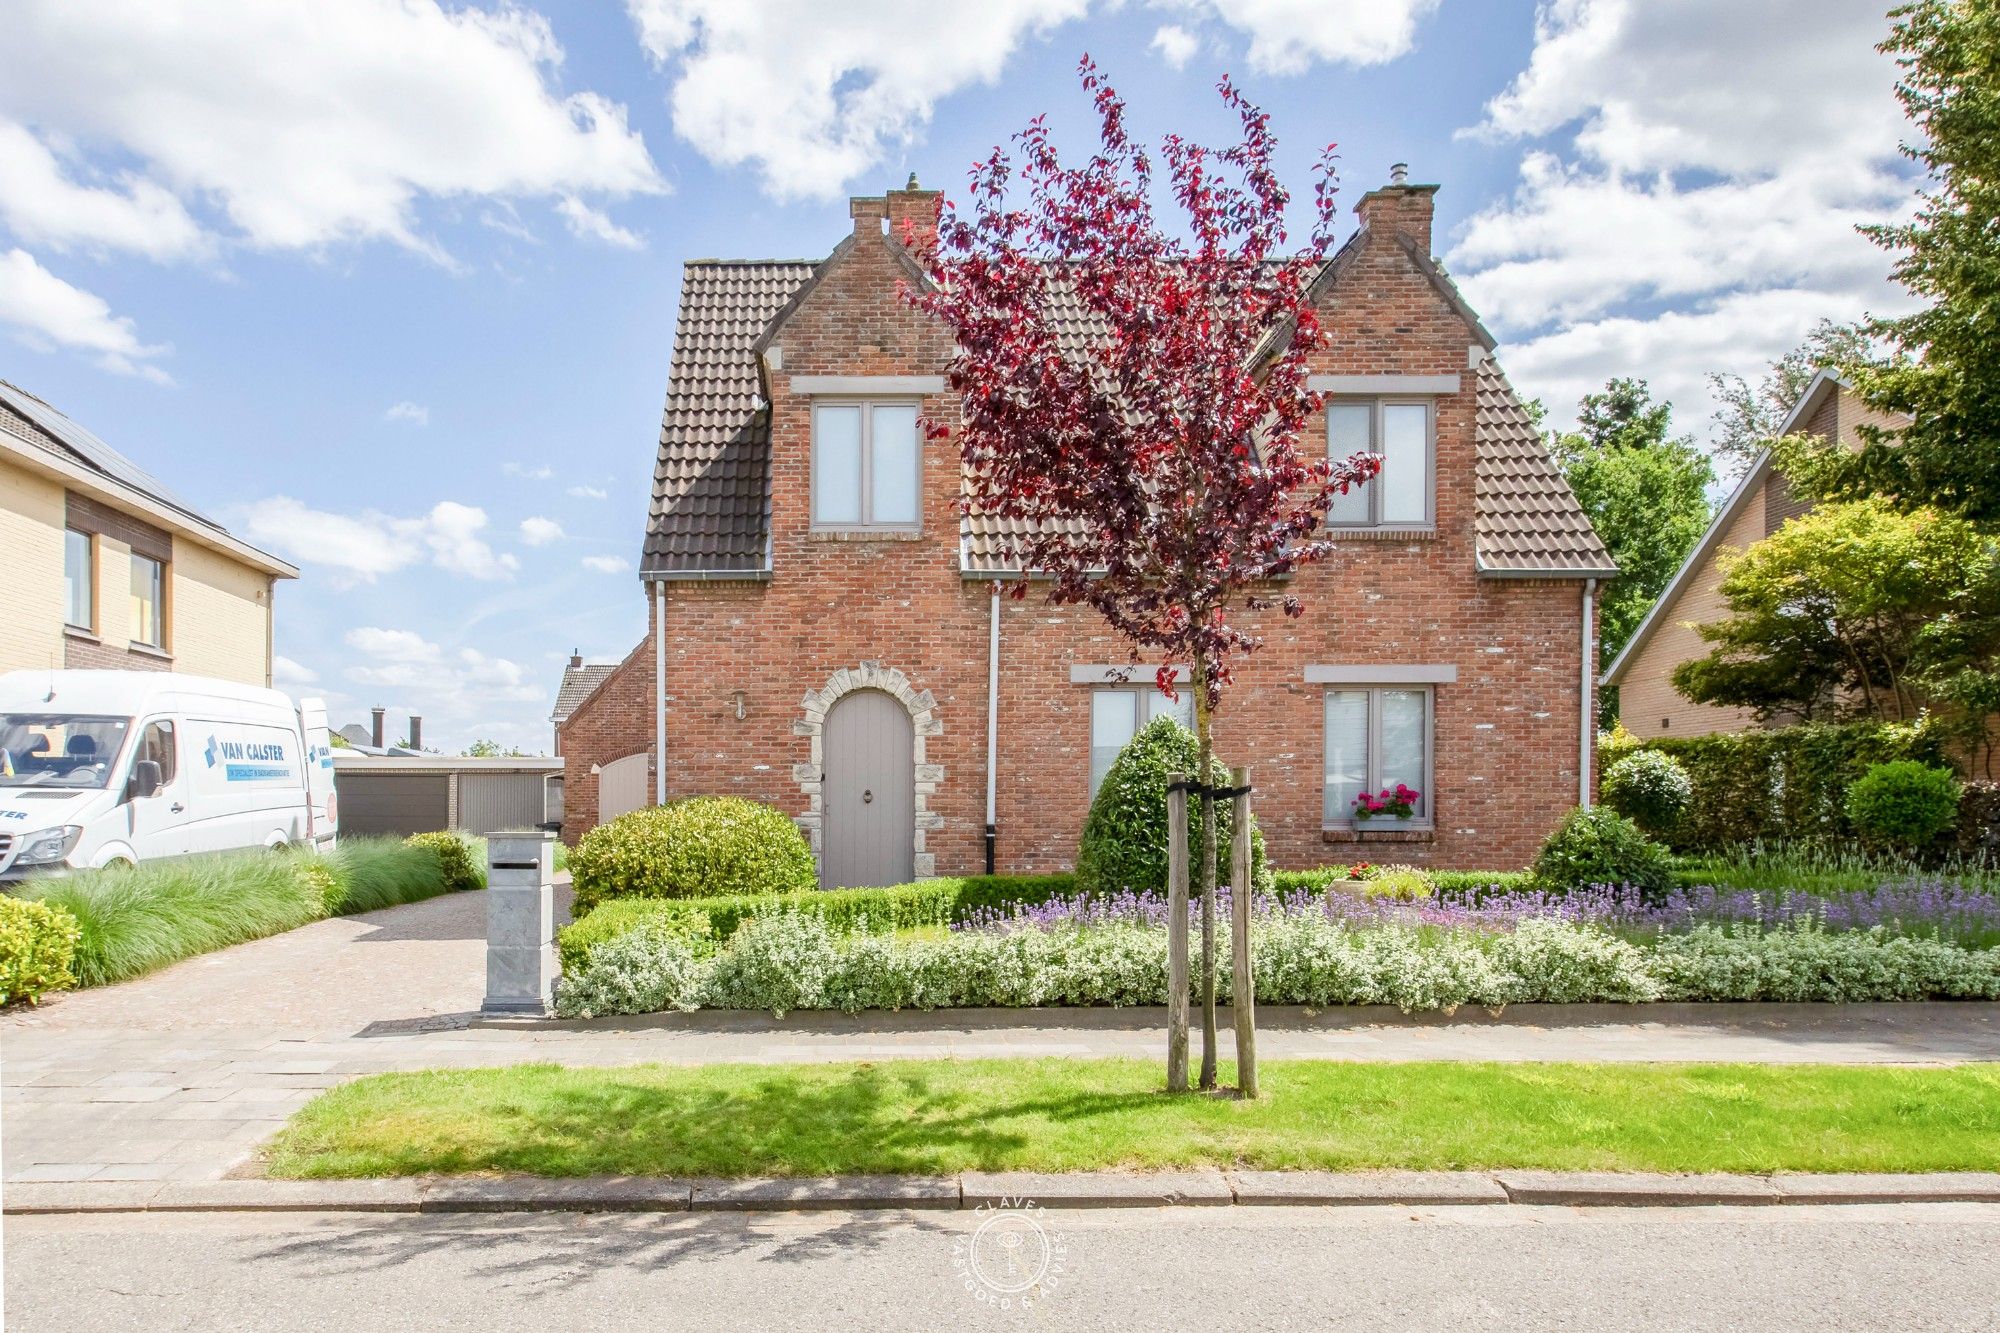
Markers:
(922, 707)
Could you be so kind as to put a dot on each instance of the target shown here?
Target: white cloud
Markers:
(307, 124)
(813, 95)
(539, 531)
(43, 206)
(284, 672)
(537, 472)
(593, 224)
(415, 413)
(48, 313)
(1176, 45)
(1710, 159)
(360, 548)
(589, 493)
(457, 691)
(607, 564)
(1289, 36)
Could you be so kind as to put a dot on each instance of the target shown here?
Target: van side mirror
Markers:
(145, 778)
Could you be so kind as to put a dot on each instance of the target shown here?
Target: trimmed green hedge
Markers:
(927, 902)
(1447, 881)
(687, 848)
(1783, 785)
(37, 942)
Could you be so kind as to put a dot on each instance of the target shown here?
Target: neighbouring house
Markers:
(580, 680)
(106, 567)
(827, 634)
(1648, 704)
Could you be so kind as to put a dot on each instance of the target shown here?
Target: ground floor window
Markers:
(1375, 739)
(1116, 714)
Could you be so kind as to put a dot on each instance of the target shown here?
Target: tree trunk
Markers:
(1177, 936)
(1205, 852)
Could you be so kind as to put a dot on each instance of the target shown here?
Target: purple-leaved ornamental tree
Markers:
(1152, 468)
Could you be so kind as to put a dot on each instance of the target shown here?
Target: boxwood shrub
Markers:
(1651, 789)
(927, 902)
(455, 860)
(1601, 846)
(37, 944)
(701, 846)
(1904, 806)
(1124, 844)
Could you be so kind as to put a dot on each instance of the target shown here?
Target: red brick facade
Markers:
(1506, 736)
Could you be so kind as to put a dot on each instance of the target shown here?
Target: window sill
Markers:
(148, 650)
(1350, 833)
(864, 534)
(73, 632)
(1382, 534)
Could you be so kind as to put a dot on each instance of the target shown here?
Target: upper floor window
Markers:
(1117, 712)
(866, 465)
(1375, 740)
(1404, 433)
(149, 586)
(79, 580)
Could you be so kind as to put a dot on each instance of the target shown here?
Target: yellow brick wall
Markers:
(219, 616)
(31, 553)
(1648, 704)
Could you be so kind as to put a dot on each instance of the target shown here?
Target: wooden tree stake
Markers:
(1177, 934)
(1243, 982)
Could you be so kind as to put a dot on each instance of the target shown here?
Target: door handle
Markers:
(866, 796)
(175, 808)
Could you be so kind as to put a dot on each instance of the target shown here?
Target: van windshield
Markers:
(59, 749)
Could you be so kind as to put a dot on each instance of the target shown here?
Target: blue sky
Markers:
(389, 287)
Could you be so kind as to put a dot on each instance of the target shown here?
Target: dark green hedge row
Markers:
(927, 902)
(1783, 785)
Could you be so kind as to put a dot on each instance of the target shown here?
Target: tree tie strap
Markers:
(1203, 789)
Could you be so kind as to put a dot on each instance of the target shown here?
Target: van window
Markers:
(156, 743)
(59, 750)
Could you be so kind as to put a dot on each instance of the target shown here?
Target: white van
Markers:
(104, 766)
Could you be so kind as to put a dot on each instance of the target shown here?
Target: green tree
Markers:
(1750, 414)
(1943, 364)
(1838, 614)
(491, 750)
(1646, 493)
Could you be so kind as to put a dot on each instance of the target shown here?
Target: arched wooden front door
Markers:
(867, 793)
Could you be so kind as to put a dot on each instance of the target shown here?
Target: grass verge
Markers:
(943, 1116)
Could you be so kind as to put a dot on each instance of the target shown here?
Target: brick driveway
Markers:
(181, 1074)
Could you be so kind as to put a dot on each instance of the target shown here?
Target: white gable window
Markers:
(866, 464)
(1404, 433)
(1117, 712)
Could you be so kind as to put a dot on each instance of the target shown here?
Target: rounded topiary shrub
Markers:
(1124, 844)
(1601, 846)
(697, 847)
(1651, 789)
(1903, 805)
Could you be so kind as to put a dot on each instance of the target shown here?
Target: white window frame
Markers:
(1377, 403)
(159, 626)
(1424, 817)
(89, 579)
(1144, 711)
(867, 407)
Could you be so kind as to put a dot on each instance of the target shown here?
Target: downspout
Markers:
(992, 727)
(1586, 723)
(659, 693)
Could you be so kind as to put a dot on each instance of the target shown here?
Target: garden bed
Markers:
(935, 1117)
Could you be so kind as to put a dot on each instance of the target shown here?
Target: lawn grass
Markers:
(133, 919)
(943, 1116)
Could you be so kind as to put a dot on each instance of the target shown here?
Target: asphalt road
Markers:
(1909, 1267)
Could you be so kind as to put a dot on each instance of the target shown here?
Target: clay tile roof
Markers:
(1527, 522)
(711, 488)
(578, 684)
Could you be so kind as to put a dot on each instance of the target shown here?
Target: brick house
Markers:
(103, 567)
(829, 636)
(1648, 704)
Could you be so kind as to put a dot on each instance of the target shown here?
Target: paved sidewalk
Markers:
(180, 1075)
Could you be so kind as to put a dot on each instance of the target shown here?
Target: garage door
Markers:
(396, 804)
(489, 801)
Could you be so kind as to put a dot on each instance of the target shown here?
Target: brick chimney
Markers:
(917, 206)
(416, 732)
(575, 661)
(868, 213)
(1399, 207)
(375, 730)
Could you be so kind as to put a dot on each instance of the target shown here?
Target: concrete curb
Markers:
(977, 1189)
